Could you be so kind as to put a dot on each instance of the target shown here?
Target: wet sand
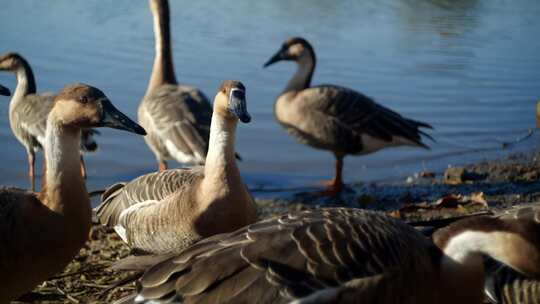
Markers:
(484, 186)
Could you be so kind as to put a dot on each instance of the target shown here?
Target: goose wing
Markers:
(293, 256)
(32, 116)
(152, 187)
(346, 115)
(180, 116)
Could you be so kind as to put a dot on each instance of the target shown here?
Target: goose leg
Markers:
(83, 167)
(31, 170)
(162, 165)
(335, 186)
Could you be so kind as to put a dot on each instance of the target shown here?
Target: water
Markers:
(471, 68)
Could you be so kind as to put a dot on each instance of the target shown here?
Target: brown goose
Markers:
(341, 255)
(4, 91)
(169, 210)
(176, 117)
(335, 118)
(505, 285)
(41, 232)
(28, 113)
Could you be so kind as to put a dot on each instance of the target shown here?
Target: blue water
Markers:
(471, 68)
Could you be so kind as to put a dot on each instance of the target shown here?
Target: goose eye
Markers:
(83, 99)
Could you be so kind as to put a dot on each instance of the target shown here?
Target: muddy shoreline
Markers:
(484, 186)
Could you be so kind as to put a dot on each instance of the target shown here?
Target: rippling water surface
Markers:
(471, 68)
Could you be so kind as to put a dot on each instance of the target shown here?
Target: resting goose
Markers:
(505, 285)
(41, 232)
(28, 113)
(341, 255)
(169, 210)
(176, 117)
(4, 91)
(335, 118)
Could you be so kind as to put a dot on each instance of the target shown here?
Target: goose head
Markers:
(4, 91)
(11, 62)
(83, 106)
(512, 240)
(295, 49)
(230, 101)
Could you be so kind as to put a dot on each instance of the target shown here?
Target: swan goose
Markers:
(41, 232)
(505, 285)
(169, 210)
(341, 255)
(335, 118)
(28, 113)
(176, 117)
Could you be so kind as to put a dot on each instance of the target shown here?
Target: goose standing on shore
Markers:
(176, 117)
(341, 255)
(167, 211)
(4, 91)
(41, 232)
(28, 113)
(335, 118)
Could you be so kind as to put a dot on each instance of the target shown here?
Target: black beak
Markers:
(237, 105)
(113, 118)
(4, 91)
(277, 57)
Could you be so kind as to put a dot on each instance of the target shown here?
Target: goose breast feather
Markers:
(177, 119)
(337, 118)
(309, 255)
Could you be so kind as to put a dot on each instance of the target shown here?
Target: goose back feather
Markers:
(322, 256)
(177, 118)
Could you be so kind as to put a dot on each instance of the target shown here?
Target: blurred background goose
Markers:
(41, 232)
(169, 210)
(176, 117)
(340, 255)
(28, 113)
(335, 118)
(4, 91)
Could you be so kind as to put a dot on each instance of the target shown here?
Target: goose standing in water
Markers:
(335, 118)
(169, 210)
(41, 232)
(176, 117)
(4, 91)
(28, 113)
(341, 255)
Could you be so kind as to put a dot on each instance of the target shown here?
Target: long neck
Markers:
(462, 266)
(220, 165)
(26, 83)
(163, 69)
(302, 78)
(64, 191)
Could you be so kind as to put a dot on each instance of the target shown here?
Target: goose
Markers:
(41, 232)
(4, 91)
(167, 211)
(28, 113)
(505, 285)
(176, 117)
(336, 118)
(340, 255)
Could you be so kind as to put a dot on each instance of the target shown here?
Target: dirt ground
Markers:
(424, 196)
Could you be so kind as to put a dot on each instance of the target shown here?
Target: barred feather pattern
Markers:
(339, 119)
(337, 255)
(177, 119)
